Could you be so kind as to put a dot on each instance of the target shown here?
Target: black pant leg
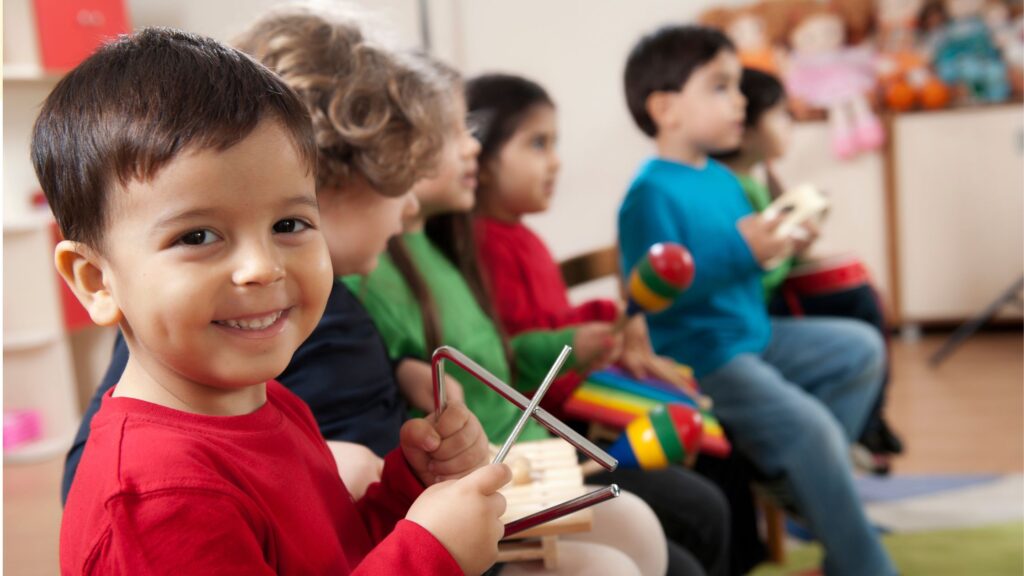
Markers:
(693, 512)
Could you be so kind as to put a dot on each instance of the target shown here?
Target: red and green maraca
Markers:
(668, 434)
(664, 273)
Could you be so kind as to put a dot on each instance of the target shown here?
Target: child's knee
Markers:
(820, 435)
(866, 350)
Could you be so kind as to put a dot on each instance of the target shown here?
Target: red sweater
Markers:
(527, 285)
(161, 491)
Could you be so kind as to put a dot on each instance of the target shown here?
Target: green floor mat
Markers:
(989, 551)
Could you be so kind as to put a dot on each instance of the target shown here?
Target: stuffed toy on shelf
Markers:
(965, 55)
(823, 72)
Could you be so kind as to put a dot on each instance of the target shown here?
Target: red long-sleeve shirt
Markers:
(527, 285)
(161, 491)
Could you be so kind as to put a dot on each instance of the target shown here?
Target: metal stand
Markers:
(1012, 295)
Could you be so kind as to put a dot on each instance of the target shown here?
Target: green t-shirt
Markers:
(759, 197)
(465, 326)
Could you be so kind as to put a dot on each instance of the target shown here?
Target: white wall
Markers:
(577, 50)
(397, 20)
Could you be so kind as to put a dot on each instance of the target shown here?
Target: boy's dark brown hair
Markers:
(663, 61)
(135, 105)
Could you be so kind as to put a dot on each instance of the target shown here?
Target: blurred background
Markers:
(935, 213)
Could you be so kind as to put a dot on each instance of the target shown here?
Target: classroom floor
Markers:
(964, 417)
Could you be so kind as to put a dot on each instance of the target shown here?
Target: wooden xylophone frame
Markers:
(535, 533)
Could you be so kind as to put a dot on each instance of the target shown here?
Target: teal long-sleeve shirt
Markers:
(722, 314)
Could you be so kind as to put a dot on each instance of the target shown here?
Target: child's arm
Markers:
(431, 450)
(357, 465)
(454, 521)
(597, 310)
(198, 530)
(595, 345)
(513, 291)
(649, 216)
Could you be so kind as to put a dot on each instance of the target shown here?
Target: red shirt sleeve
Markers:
(526, 283)
(157, 533)
(403, 547)
(386, 502)
(409, 549)
(601, 310)
(508, 285)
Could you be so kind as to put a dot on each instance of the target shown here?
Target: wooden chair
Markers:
(590, 266)
(604, 262)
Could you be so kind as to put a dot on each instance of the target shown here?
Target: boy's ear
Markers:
(82, 269)
(659, 106)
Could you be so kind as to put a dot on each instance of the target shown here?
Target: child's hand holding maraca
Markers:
(451, 446)
(465, 516)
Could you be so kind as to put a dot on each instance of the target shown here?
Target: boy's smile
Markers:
(219, 270)
(256, 325)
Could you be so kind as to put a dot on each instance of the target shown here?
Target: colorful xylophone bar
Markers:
(613, 399)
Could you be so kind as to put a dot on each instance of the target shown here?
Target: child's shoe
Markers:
(874, 463)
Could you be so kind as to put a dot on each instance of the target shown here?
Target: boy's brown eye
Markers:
(289, 226)
(197, 237)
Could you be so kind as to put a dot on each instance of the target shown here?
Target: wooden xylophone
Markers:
(544, 473)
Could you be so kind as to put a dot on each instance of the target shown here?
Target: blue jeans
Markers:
(794, 410)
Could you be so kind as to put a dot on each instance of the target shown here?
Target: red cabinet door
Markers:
(70, 30)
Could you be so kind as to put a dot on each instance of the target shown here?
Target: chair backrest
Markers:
(590, 266)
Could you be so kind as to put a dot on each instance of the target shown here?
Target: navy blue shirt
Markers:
(342, 371)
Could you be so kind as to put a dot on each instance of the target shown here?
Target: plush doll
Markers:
(906, 79)
(749, 33)
(965, 55)
(1008, 32)
(822, 72)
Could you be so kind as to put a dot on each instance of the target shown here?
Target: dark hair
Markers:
(134, 105)
(497, 103)
(763, 91)
(663, 61)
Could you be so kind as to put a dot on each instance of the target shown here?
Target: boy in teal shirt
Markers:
(793, 393)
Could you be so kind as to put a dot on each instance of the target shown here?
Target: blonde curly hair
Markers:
(376, 113)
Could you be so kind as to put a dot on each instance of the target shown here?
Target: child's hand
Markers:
(596, 344)
(465, 516)
(416, 382)
(759, 233)
(451, 447)
(809, 232)
(639, 360)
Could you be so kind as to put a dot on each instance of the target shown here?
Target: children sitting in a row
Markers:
(429, 291)
(765, 138)
(794, 393)
(213, 231)
(341, 370)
